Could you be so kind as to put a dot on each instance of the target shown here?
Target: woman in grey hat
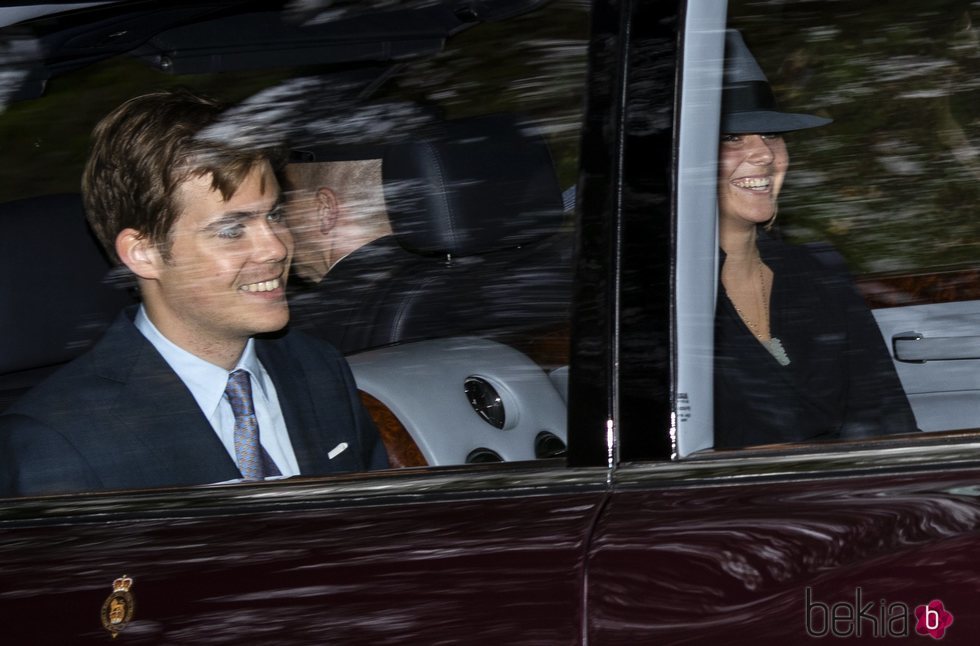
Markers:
(798, 354)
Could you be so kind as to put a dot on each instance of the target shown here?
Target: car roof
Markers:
(210, 36)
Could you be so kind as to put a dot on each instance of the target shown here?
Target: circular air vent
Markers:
(549, 445)
(483, 454)
(486, 401)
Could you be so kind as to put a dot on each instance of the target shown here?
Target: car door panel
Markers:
(945, 394)
(686, 555)
(430, 559)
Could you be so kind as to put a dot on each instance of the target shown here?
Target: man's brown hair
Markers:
(143, 151)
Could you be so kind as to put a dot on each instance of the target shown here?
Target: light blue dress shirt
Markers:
(207, 383)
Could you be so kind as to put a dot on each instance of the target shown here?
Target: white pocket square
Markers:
(337, 450)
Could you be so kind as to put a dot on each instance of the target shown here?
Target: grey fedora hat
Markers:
(747, 102)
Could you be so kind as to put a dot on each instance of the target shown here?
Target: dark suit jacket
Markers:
(381, 294)
(349, 306)
(118, 417)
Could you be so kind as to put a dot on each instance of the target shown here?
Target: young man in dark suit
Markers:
(179, 392)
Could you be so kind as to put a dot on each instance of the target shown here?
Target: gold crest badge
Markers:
(118, 608)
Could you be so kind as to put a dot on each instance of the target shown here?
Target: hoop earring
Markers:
(768, 225)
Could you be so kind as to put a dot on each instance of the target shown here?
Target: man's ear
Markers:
(327, 209)
(139, 254)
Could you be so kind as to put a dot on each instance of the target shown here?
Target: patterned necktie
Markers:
(253, 461)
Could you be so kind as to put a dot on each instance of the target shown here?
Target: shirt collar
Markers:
(205, 380)
(250, 361)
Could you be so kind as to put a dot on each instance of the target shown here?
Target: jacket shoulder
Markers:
(303, 347)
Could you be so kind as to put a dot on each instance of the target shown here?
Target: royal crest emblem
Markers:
(118, 608)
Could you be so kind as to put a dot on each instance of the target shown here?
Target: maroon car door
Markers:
(459, 556)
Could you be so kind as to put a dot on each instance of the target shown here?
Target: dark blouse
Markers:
(840, 382)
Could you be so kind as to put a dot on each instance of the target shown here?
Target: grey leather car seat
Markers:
(58, 295)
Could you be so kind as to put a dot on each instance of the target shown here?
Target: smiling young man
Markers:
(178, 391)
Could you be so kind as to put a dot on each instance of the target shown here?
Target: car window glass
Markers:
(477, 307)
(867, 275)
(448, 280)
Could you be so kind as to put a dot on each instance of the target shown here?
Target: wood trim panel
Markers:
(402, 449)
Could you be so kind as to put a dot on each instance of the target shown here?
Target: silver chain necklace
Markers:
(772, 344)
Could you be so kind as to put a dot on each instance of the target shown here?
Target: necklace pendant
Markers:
(776, 349)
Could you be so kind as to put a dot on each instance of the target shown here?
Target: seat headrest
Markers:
(54, 299)
(472, 186)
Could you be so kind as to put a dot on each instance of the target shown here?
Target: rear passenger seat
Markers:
(57, 295)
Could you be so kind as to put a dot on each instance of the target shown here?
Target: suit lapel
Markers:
(170, 425)
(294, 390)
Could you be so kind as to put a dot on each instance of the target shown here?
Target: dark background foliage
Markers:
(893, 182)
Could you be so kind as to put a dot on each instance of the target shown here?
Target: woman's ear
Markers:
(139, 254)
(327, 209)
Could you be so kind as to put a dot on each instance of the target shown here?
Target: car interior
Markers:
(488, 256)
(477, 218)
(459, 337)
(477, 215)
(484, 248)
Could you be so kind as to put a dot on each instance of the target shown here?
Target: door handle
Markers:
(913, 347)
